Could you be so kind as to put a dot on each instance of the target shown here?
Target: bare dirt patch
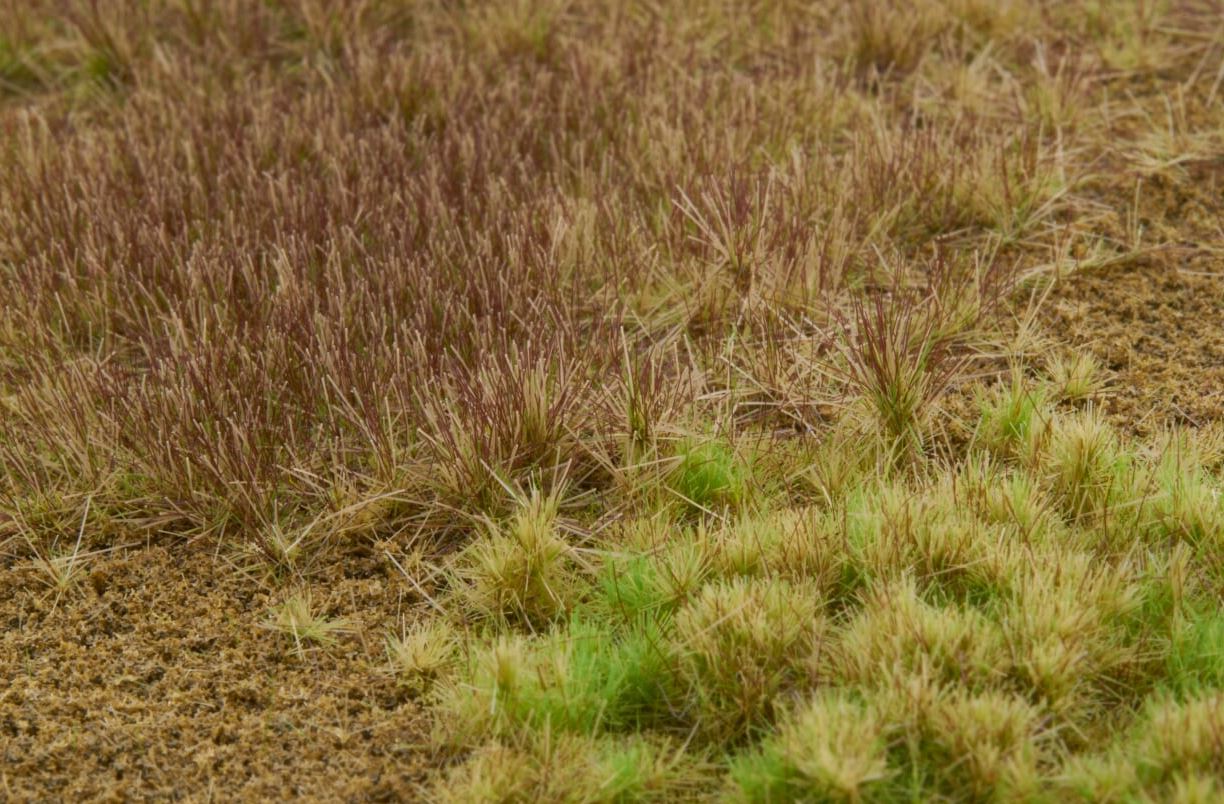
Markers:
(1157, 322)
(1160, 331)
(156, 678)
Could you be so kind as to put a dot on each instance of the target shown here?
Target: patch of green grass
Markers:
(575, 679)
(20, 71)
(658, 582)
(1196, 655)
(631, 586)
(1012, 414)
(709, 475)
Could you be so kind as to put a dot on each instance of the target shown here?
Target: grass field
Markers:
(612, 401)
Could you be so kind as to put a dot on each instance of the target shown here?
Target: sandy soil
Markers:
(157, 678)
(1157, 322)
(1160, 331)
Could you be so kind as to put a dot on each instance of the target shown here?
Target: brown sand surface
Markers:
(1156, 322)
(158, 678)
(1160, 332)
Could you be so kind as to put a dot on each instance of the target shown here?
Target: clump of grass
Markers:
(938, 538)
(422, 653)
(742, 643)
(283, 549)
(1075, 377)
(746, 547)
(21, 70)
(1089, 468)
(1181, 742)
(1196, 655)
(1188, 502)
(508, 419)
(897, 530)
(1017, 499)
(892, 37)
(985, 745)
(633, 586)
(296, 618)
(796, 544)
(895, 632)
(62, 572)
(563, 767)
(709, 476)
(574, 679)
(900, 362)
(1172, 752)
(1099, 778)
(1206, 444)
(1065, 625)
(524, 572)
(1013, 417)
(846, 457)
(833, 747)
(660, 570)
(58, 568)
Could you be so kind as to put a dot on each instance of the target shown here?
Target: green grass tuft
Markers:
(709, 476)
(1196, 656)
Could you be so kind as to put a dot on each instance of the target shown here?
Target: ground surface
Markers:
(1159, 327)
(517, 401)
(149, 684)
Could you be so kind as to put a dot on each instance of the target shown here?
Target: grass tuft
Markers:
(421, 654)
(742, 643)
(1076, 377)
(297, 618)
(709, 476)
(832, 748)
(523, 572)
